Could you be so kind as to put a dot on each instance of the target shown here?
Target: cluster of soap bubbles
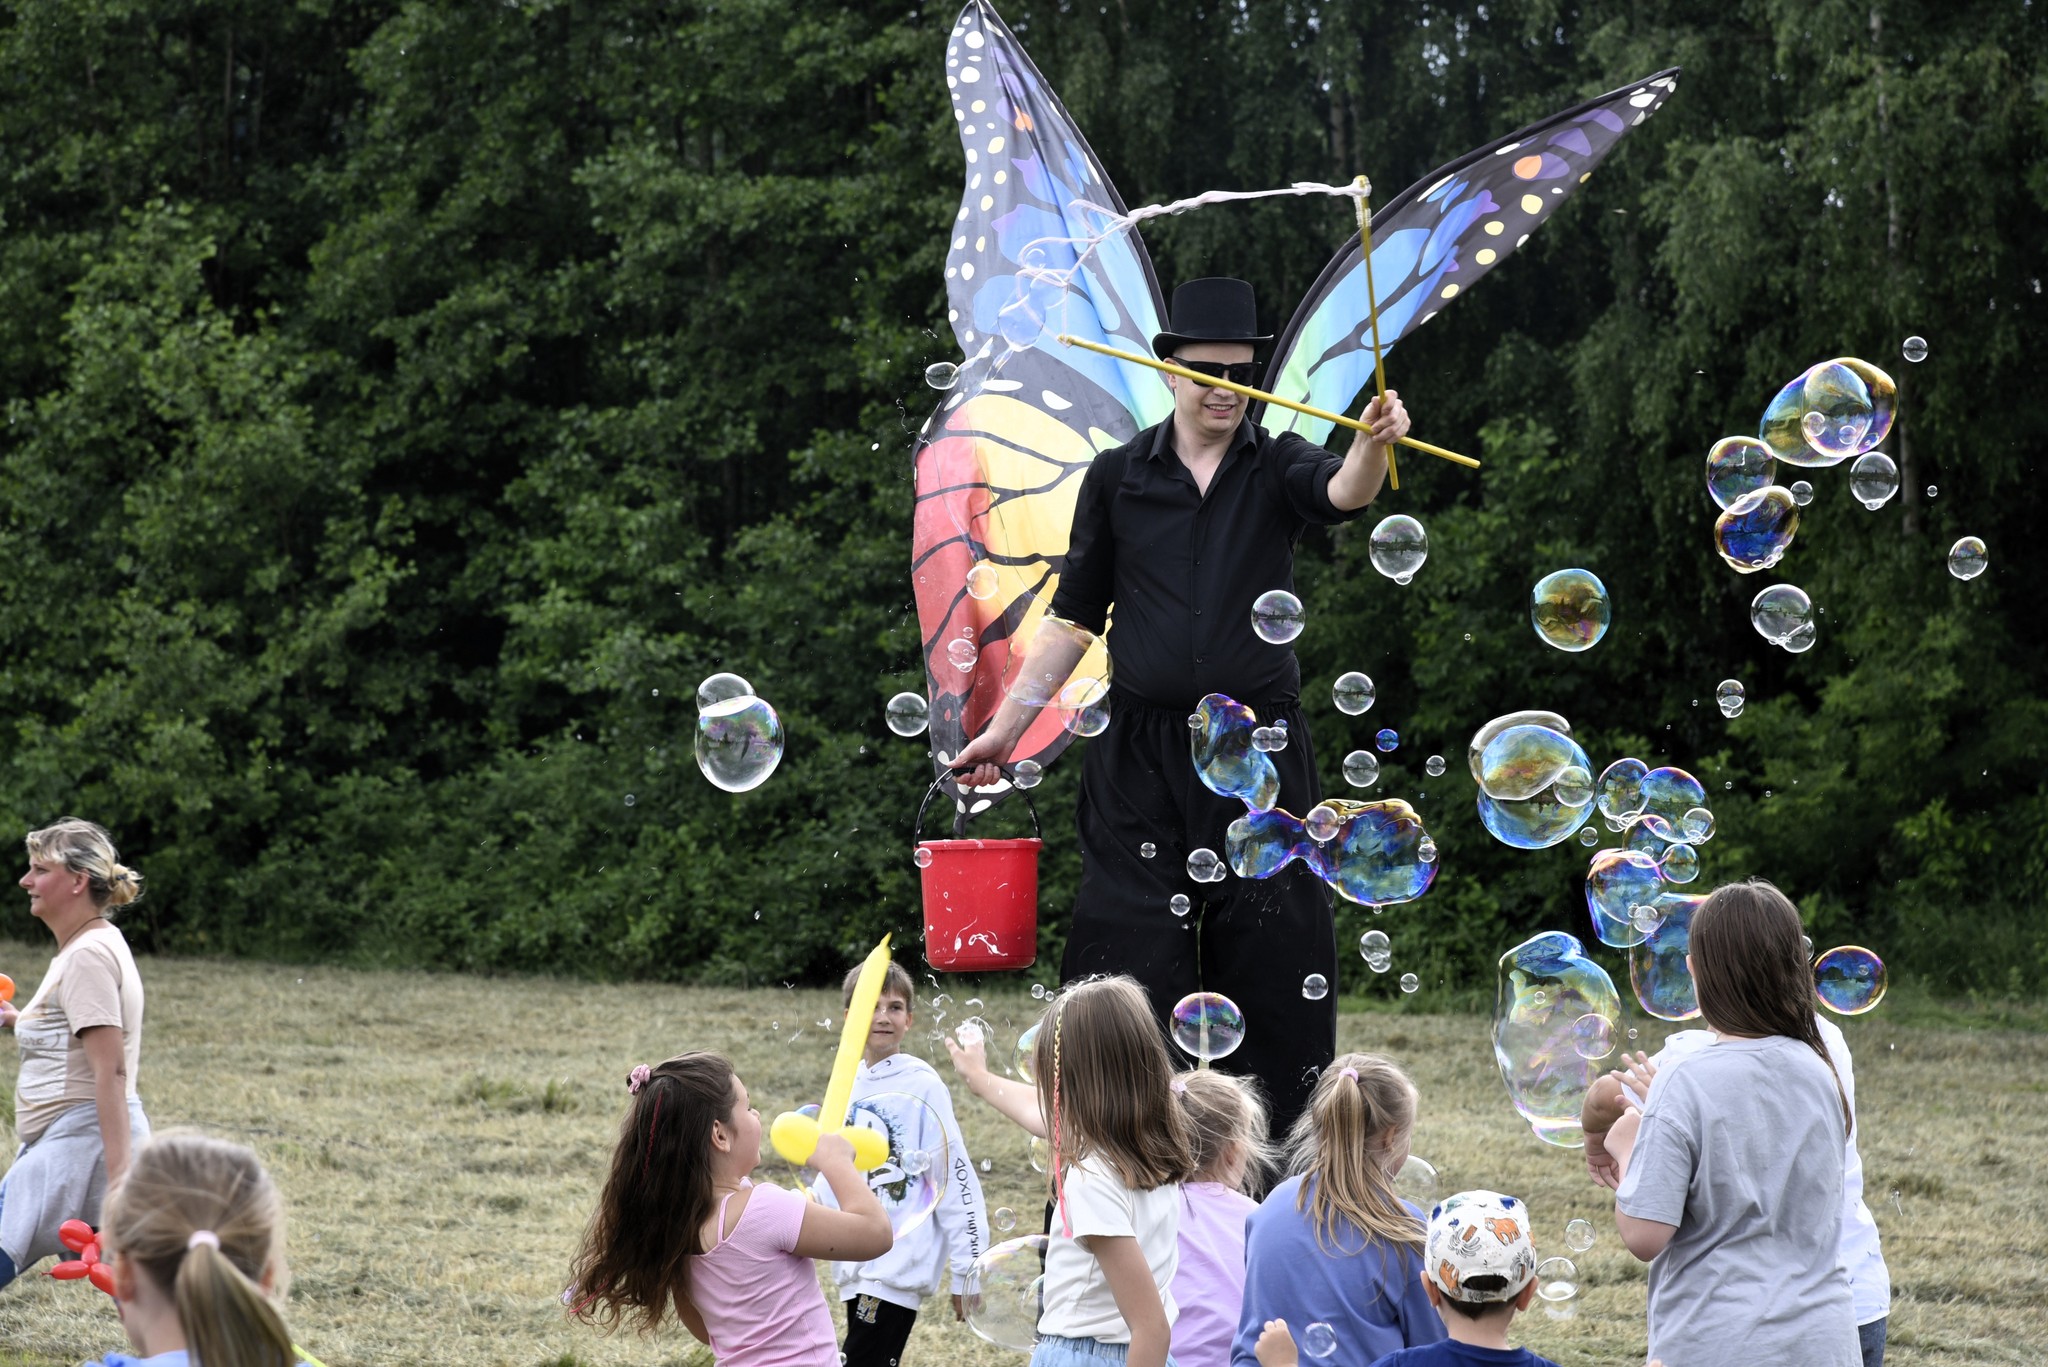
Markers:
(739, 737)
(1207, 1025)
(1547, 988)
(1270, 738)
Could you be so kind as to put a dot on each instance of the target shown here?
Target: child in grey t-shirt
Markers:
(1731, 1185)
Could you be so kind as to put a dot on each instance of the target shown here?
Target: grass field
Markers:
(440, 1140)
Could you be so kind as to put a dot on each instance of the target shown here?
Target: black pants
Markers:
(876, 1331)
(1253, 940)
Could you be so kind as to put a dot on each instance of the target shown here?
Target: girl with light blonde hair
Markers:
(77, 1114)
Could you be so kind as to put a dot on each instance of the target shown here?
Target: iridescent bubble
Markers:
(1417, 1181)
(1315, 987)
(1884, 402)
(1006, 1292)
(1569, 610)
(1028, 773)
(1578, 1235)
(1388, 740)
(1552, 778)
(1207, 1025)
(1399, 546)
(1681, 864)
(1696, 827)
(1260, 844)
(1322, 822)
(1914, 349)
(961, 653)
(1434, 766)
(1642, 838)
(1375, 856)
(1645, 919)
(1361, 768)
(1799, 642)
(1656, 965)
(1410, 983)
(1225, 759)
(1179, 904)
(1426, 851)
(1849, 980)
(1873, 479)
(1522, 761)
(1967, 558)
(942, 374)
(1574, 786)
(1147, 850)
(1318, 1340)
(1546, 985)
(1374, 944)
(739, 743)
(1084, 707)
(1802, 492)
(1353, 693)
(1737, 466)
(1779, 611)
(1557, 1287)
(1030, 676)
(1004, 1219)
(921, 857)
(907, 1183)
(1589, 837)
(1475, 749)
(722, 688)
(1783, 428)
(1668, 794)
(983, 581)
(1593, 1036)
(1621, 789)
(1617, 881)
(1277, 616)
(1838, 413)
(1757, 529)
(1038, 1153)
(908, 714)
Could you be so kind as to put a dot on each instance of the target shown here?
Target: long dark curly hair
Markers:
(633, 1264)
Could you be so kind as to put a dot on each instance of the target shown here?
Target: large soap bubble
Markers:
(1873, 479)
(1656, 966)
(1353, 693)
(1207, 1025)
(1277, 617)
(722, 688)
(1884, 401)
(1783, 427)
(1737, 466)
(1399, 546)
(1838, 411)
(1781, 612)
(1260, 844)
(739, 743)
(1551, 781)
(1569, 609)
(1849, 980)
(1225, 759)
(1522, 761)
(1617, 882)
(1757, 529)
(1485, 734)
(1006, 1293)
(1376, 856)
(1547, 985)
(1621, 789)
(920, 1161)
(908, 714)
(1084, 706)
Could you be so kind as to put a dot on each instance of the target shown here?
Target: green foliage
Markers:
(407, 404)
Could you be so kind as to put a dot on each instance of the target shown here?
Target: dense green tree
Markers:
(408, 403)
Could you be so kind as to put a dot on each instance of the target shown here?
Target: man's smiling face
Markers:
(1205, 409)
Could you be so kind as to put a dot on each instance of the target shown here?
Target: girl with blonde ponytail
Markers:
(1334, 1244)
(196, 1233)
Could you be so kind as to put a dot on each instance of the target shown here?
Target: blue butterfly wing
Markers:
(1434, 241)
(998, 466)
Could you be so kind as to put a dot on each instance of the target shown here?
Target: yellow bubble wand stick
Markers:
(1372, 310)
(1261, 395)
(795, 1135)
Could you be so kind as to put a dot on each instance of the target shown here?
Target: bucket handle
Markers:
(960, 812)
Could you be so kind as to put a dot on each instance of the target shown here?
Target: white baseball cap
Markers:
(1479, 1236)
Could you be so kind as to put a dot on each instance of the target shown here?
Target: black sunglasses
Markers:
(1238, 372)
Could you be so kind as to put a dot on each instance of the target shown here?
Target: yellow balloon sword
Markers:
(795, 1135)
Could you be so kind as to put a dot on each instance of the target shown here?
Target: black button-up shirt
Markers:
(1182, 568)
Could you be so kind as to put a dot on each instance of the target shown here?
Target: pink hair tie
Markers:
(1351, 1073)
(637, 1079)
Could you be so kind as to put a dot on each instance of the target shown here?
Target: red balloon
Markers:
(90, 1254)
(102, 1276)
(69, 1272)
(6, 988)
(74, 1234)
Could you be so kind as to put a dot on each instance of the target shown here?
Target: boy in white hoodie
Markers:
(906, 1099)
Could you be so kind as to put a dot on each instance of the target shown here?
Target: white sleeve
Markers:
(962, 1216)
(1097, 1203)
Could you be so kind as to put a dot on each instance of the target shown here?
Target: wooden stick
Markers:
(1259, 394)
(1372, 311)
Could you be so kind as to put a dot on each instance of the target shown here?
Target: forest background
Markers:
(407, 404)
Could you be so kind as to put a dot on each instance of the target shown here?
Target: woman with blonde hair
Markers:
(197, 1237)
(76, 1112)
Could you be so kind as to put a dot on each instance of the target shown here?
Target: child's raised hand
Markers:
(832, 1149)
(971, 1058)
(1275, 1347)
(1637, 1073)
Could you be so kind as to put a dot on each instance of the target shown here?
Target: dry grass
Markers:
(440, 1140)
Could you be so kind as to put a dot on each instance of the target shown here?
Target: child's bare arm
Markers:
(1137, 1296)
(859, 1229)
(1644, 1238)
(1016, 1100)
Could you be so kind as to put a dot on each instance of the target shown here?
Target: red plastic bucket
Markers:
(980, 898)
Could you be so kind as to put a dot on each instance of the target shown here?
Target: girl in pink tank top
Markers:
(681, 1225)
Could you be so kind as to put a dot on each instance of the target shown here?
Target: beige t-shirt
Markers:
(92, 981)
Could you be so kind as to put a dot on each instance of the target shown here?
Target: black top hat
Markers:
(1218, 309)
